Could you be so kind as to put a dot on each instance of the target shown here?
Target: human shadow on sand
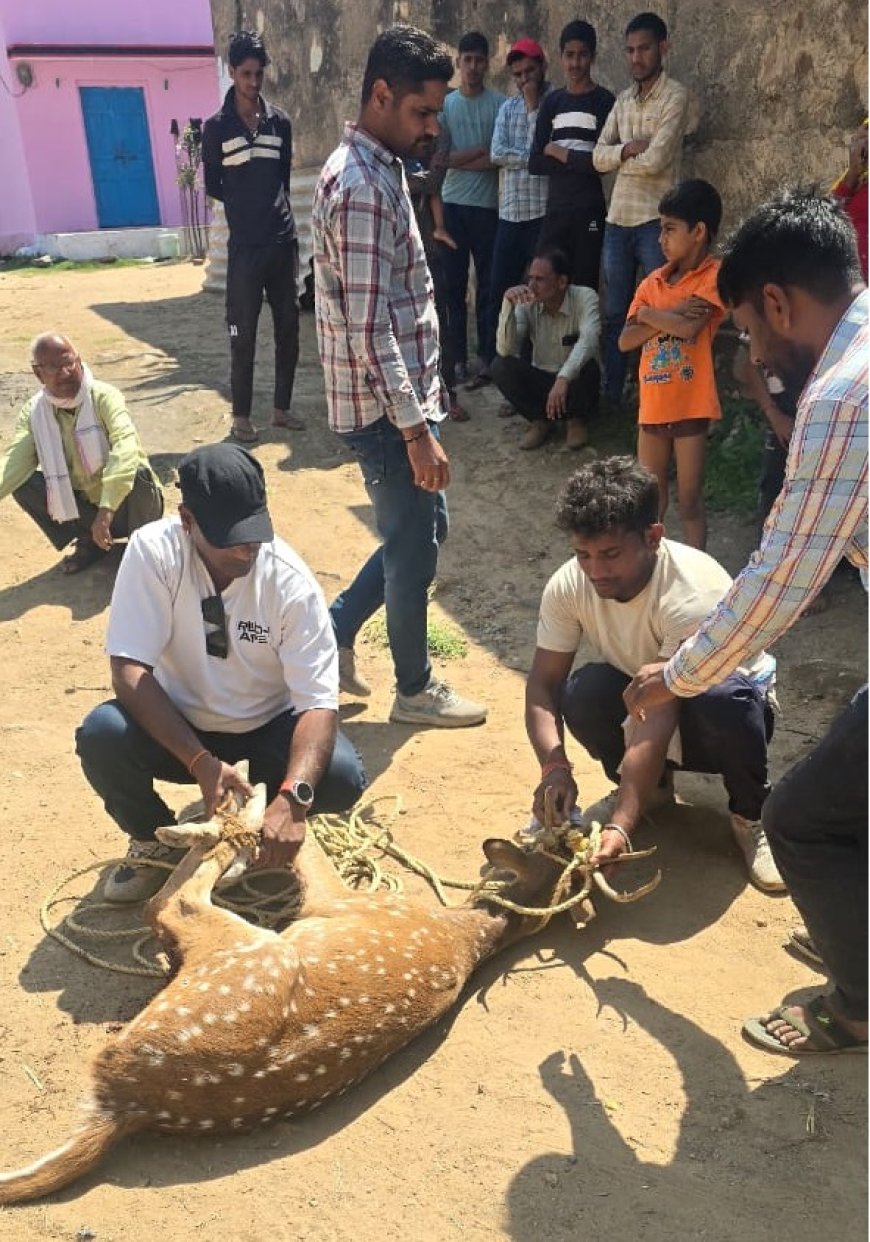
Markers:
(603, 1187)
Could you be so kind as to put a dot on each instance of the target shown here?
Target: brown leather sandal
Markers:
(84, 554)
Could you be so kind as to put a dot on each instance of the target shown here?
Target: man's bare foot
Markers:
(803, 1030)
(243, 430)
(287, 421)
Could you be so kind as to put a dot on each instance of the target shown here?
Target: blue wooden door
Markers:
(119, 147)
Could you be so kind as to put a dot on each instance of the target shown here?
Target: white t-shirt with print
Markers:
(685, 586)
(282, 652)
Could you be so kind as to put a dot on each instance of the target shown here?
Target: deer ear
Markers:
(505, 854)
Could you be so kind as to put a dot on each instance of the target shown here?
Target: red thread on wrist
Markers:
(554, 766)
(195, 760)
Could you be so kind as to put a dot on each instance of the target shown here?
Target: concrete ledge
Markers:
(159, 243)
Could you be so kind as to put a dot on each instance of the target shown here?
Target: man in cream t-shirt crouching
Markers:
(629, 592)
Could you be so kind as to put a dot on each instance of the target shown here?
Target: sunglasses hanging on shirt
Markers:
(217, 639)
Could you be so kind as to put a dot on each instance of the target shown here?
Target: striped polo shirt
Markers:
(249, 172)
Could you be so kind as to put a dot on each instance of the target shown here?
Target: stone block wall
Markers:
(780, 83)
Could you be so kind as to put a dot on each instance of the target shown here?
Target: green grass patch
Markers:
(445, 642)
(26, 267)
(734, 458)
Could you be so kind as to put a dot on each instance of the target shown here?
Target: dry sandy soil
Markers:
(591, 1084)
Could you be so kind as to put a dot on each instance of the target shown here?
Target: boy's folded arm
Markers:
(635, 334)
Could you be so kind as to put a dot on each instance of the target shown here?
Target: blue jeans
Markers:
(398, 574)
(816, 822)
(512, 252)
(473, 230)
(725, 730)
(121, 763)
(625, 249)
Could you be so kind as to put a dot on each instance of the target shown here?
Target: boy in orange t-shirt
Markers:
(674, 316)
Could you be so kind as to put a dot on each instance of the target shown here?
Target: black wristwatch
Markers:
(300, 791)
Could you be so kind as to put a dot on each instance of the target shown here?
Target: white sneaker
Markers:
(437, 705)
(751, 838)
(534, 831)
(601, 812)
(349, 680)
(128, 882)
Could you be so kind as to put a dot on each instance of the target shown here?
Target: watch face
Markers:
(303, 793)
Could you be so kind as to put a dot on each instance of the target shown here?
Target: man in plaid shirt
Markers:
(378, 335)
(522, 196)
(792, 276)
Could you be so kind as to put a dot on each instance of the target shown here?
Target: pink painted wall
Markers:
(107, 21)
(17, 222)
(53, 132)
(47, 177)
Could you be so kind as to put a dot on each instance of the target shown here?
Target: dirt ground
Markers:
(592, 1084)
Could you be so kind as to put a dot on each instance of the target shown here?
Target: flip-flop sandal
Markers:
(83, 555)
(801, 942)
(244, 435)
(456, 414)
(479, 381)
(824, 1034)
(290, 422)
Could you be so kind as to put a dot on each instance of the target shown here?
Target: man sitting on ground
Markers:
(75, 464)
(628, 591)
(221, 649)
(561, 322)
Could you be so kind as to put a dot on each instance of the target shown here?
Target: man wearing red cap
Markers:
(522, 196)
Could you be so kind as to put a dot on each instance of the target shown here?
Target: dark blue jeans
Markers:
(816, 822)
(398, 574)
(121, 763)
(473, 230)
(513, 251)
(625, 250)
(724, 731)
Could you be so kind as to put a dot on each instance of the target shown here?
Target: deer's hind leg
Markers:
(320, 885)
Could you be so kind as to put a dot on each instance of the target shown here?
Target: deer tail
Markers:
(65, 1164)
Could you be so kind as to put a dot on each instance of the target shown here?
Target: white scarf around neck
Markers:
(90, 441)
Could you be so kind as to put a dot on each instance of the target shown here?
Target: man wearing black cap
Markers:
(221, 649)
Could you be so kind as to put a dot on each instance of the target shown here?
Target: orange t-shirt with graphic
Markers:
(676, 377)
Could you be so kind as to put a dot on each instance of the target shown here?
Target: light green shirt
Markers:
(107, 489)
(577, 316)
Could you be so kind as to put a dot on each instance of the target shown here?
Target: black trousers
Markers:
(527, 388)
(724, 731)
(580, 234)
(251, 272)
(816, 822)
(143, 504)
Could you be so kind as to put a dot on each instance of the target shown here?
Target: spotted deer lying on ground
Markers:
(255, 1025)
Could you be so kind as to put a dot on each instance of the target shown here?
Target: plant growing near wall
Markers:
(188, 164)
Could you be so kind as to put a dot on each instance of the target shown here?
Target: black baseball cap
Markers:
(224, 488)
